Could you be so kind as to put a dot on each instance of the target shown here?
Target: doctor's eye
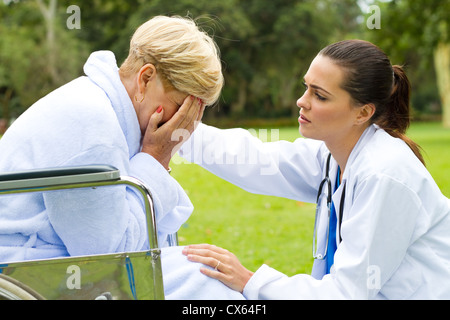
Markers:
(320, 97)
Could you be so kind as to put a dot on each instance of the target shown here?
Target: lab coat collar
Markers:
(365, 137)
(338, 196)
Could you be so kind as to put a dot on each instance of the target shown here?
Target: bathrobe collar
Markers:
(101, 68)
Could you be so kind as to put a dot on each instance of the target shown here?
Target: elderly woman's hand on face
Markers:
(162, 142)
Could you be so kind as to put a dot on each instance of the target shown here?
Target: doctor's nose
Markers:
(302, 102)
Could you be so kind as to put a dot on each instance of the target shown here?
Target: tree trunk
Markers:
(442, 66)
(49, 14)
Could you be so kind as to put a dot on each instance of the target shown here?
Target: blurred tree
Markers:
(292, 33)
(418, 32)
(14, 60)
(17, 46)
(266, 45)
(49, 14)
(37, 54)
(103, 22)
(299, 31)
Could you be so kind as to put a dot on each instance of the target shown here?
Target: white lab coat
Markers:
(396, 222)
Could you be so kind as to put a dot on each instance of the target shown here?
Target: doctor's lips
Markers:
(303, 119)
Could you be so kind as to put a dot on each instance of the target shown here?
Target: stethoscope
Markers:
(326, 185)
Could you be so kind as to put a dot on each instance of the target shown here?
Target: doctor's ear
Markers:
(365, 113)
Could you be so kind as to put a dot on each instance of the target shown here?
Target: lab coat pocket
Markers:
(404, 282)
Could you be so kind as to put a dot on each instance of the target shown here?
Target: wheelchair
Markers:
(116, 276)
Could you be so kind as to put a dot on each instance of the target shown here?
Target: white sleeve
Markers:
(376, 234)
(286, 169)
(270, 284)
(172, 205)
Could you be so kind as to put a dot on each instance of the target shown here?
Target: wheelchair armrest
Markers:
(57, 176)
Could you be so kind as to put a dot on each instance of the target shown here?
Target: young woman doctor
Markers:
(382, 224)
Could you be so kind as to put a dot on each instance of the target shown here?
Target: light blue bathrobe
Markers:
(91, 120)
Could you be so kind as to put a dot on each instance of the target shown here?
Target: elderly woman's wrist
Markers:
(162, 160)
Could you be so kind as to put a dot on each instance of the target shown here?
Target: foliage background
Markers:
(266, 45)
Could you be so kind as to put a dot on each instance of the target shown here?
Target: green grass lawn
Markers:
(276, 231)
(435, 142)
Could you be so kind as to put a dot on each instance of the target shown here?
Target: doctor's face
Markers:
(327, 112)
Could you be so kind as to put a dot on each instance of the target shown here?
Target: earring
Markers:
(143, 97)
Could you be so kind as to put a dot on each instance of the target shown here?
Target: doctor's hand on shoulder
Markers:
(224, 265)
(163, 140)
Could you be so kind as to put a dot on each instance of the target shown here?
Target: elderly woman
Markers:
(123, 117)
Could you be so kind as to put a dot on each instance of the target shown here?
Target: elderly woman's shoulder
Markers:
(81, 94)
(79, 99)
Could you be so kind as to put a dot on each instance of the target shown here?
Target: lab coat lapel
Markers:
(367, 135)
(339, 195)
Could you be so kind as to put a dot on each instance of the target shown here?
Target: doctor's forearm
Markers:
(264, 168)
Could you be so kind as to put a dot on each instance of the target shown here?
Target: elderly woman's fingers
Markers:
(190, 112)
(203, 248)
(199, 115)
(155, 119)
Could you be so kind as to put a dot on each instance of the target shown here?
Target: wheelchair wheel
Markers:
(11, 289)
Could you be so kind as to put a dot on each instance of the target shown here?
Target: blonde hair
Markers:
(187, 58)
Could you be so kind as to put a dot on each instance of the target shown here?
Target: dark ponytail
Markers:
(370, 78)
(397, 118)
